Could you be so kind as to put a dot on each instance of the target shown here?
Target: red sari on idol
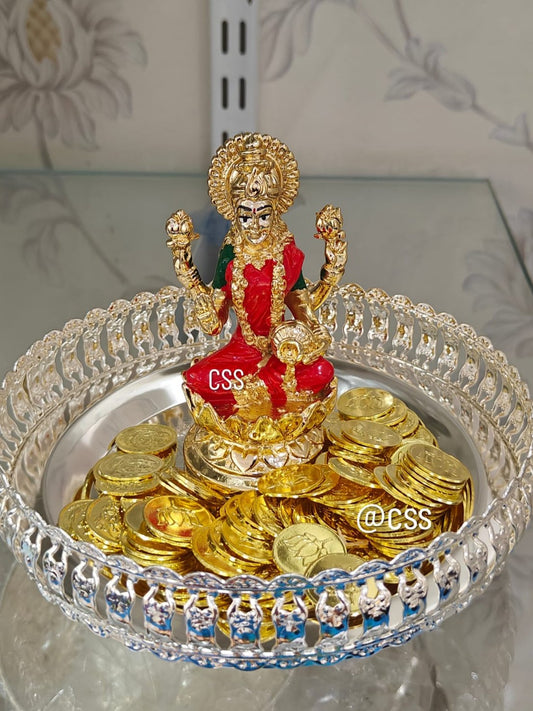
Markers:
(212, 376)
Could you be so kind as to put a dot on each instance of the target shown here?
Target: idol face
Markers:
(254, 220)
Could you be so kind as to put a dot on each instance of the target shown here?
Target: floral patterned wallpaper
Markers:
(355, 87)
(60, 67)
(415, 87)
(82, 82)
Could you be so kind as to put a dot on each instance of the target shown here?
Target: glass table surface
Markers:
(72, 242)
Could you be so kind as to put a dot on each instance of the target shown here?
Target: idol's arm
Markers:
(209, 311)
(329, 228)
(299, 304)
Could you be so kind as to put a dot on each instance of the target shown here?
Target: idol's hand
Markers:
(206, 314)
(180, 233)
(317, 338)
(329, 223)
(329, 228)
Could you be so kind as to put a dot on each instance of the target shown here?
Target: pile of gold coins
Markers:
(381, 485)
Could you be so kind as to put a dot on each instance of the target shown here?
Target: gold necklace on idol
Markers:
(277, 294)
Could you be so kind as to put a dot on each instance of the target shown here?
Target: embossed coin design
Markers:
(371, 434)
(174, 518)
(441, 465)
(365, 403)
(72, 519)
(147, 439)
(134, 468)
(297, 547)
(104, 520)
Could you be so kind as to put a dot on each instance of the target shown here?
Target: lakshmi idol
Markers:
(271, 366)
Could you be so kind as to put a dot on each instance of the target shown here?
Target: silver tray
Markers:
(72, 391)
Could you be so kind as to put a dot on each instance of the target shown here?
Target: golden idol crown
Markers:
(253, 166)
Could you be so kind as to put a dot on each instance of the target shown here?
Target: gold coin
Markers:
(119, 467)
(238, 510)
(266, 517)
(393, 546)
(361, 546)
(132, 549)
(342, 561)
(290, 482)
(339, 440)
(388, 486)
(443, 466)
(142, 547)
(419, 494)
(386, 476)
(357, 459)
(268, 571)
(367, 403)
(396, 533)
(398, 454)
(303, 511)
(180, 563)
(297, 547)
(125, 488)
(159, 440)
(217, 543)
(213, 559)
(350, 535)
(104, 519)
(245, 506)
(336, 436)
(396, 414)
(372, 435)
(427, 489)
(140, 536)
(193, 484)
(358, 475)
(406, 427)
(286, 510)
(345, 493)
(428, 482)
(413, 471)
(468, 499)
(453, 518)
(169, 482)
(174, 518)
(252, 549)
(331, 479)
(424, 435)
(185, 564)
(72, 520)
(126, 502)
